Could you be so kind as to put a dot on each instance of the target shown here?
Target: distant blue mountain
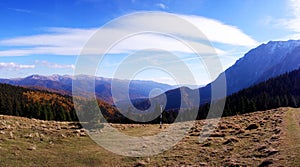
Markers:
(63, 85)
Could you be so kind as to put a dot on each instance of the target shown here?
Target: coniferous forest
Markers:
(281, 91)
(19, 101)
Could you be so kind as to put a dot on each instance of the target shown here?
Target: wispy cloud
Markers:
(20, 10)
(56, 41)
(70, 41)
(161, 5)
(292, 20)
(14, 66)
(53, 65)
(217, 31)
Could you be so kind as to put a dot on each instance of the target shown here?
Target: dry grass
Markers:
(276, 139)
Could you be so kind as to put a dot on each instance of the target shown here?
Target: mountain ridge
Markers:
(257, 65)
(63, 84)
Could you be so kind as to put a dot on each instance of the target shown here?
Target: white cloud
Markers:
(161, 5)
(54, 65)
(20, 10)
(292, 21)
(70, 41)
(14, 66)
(57, 41)
(216, 31)
(295, 6)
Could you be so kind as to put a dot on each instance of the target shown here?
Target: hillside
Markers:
(260, 138)
(45, 105)
(281, 91)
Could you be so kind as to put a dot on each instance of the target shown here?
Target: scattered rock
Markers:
(202, 164)
(217, 135)
(206, 144)
(240, 132)
(223, 127)
(11, 135)
(140, 164)
(194, 134)
(28, 136)
(266, 163)
(37, 135)
(232, 163)
(252, 126)
(230, 140)
(82, 134)
(261, 148)
(279, 120)
(144, 146)
(64, 127)
(277, 130)
(8, 127)
(271, 151)
(42, 136)
(32, 147)
(274, 138)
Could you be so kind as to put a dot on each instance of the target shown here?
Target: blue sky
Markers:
(45, 37)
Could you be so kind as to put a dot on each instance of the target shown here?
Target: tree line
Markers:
(13, 101)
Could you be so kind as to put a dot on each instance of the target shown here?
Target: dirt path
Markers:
(291, 137)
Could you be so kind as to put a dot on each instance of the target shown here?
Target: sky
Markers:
(46, 37)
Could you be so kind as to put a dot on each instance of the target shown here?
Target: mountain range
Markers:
(259, 64)
(63, 84)
(263, 62)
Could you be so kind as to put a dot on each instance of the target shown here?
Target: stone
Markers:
(274, 138)
(28, 136)
(194, 134)
(217, 135)
(252, 126)
(32, 147)
(266, 162)
(230, 140)
(202, 164)
(271, 151)
(11, 135)
(206, 144)
(261, 148)
(140, 164)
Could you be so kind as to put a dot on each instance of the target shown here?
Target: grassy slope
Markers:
(60, 146)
